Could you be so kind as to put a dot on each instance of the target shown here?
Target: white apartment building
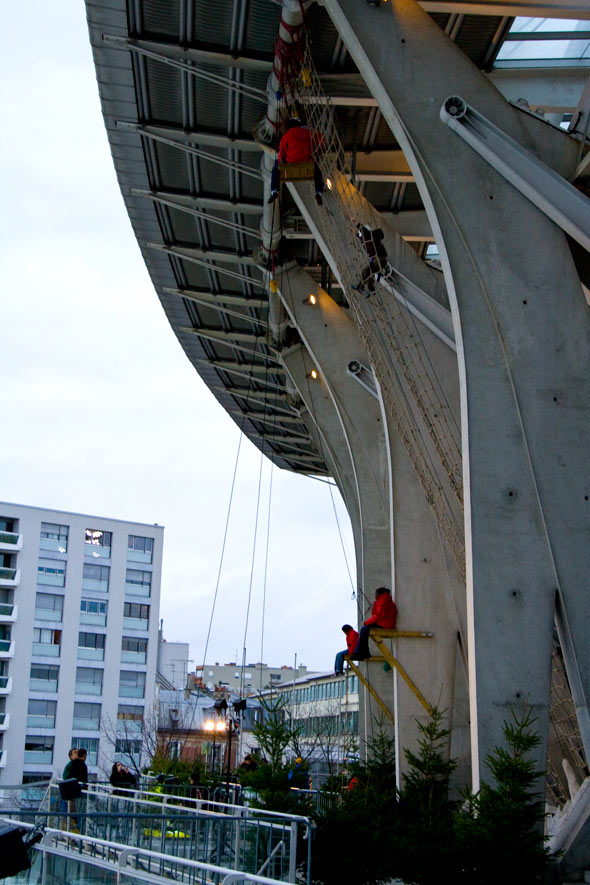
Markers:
(79, 610)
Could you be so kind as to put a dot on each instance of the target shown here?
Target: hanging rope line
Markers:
(412, 392)
(352, 584)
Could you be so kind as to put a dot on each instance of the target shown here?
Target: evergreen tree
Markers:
(500, 829)
(424, 849)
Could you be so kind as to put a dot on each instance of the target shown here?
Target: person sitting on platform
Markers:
(352, 638)
(296, 146)
(372, 242)
(383, 614)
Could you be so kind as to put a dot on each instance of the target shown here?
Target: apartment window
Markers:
(43, 678)
(95, 577)
(49, 607)
(7, 524)
(132, 684)
(99, 543)
(51, 572)
(86, 716)
(41, 714)
(129, 718)
(140, 549)
(54, 537)
(88, 680)
(275, 677)
(91, 646)
(124, 746)
(93, 611)
(46, 642)
(90, 745)
(39, 749)
(136, 611)
(133, 651)
(138, 583)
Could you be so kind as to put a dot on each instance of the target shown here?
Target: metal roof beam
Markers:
(196, 213)
(191, 252)
(215, 305)
(577, 9)
(262, 396)
(179, 252)
(555, 90)
(244, 61)
(228, 339)
(243, 370)
(213, 299)
(186, 136)
(189, 201)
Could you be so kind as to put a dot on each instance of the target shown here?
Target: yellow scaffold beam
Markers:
(393, 662)
(371, 691)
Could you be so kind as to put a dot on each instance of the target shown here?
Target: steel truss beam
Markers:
(206, 296)
(186, 255)
(189, 201)
(245, 370)
(228, 339)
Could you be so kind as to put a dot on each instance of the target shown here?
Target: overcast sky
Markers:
(102, 412)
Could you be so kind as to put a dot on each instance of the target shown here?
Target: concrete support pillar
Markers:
(398, 543)
(522, 335)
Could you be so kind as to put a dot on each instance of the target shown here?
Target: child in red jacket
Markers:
(383, 614)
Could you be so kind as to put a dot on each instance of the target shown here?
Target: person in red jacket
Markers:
(352, 638)
(297, 146)
(383, 614)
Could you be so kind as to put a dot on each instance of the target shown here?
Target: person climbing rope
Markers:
(352, 639)
(297, 146)
(372, 242)
(383, 614)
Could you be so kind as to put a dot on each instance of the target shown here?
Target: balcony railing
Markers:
(6, 648)
(39, 757)
(135, 624)
(8, 612)
(34, 721)
(133, 657)
(46, 650)
(85, 723)
(89, 688)
(90, 654)
(11, 541)
(49, 686)
(5, 685)
(9, 577)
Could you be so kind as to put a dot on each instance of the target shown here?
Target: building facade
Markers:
(79, 607)
(324, 711)
(257, 677)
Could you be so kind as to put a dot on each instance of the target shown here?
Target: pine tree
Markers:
(425, 844)
(500, 829)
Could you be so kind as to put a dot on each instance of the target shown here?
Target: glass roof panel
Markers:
(526, 41)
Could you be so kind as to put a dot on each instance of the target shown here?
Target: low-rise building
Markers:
(253, 677)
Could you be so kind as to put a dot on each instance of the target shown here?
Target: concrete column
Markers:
(393, 513)
(522, 336)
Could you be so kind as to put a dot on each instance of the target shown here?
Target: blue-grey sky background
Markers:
(102, 412)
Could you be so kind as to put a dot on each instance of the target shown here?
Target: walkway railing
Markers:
(70, 857)
(212, 832)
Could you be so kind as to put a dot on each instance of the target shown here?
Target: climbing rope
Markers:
(411, 391)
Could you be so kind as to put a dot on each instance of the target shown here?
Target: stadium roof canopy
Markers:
(182, 85)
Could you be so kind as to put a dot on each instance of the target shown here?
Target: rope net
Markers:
(411, 391)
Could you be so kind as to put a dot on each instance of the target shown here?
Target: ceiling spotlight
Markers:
(313, 375)
(311, 299)
(329, 184)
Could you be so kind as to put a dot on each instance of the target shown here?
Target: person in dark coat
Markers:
(352, 639)
(383, 614)
(372, 242)
(121, 777)
(78, 768)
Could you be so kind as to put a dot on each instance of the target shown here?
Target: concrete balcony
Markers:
(10, 542)
(9, 577)
(5, 685)
(4, 721)
(6, 649)
(8, 613)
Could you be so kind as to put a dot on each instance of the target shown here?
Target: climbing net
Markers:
(410, 388)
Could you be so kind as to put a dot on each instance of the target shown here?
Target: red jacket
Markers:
(295, 146)
(352, 639)
(384, 612)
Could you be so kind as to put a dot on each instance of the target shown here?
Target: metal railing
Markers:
(63, 856)
(201, 829)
